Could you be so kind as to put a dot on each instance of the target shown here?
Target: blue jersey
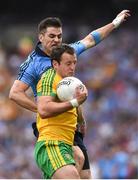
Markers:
(38, 62)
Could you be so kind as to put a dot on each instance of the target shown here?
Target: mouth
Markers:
(71, 73)
(55, 45)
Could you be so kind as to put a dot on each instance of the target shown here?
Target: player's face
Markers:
(52, 37)
(67, 65)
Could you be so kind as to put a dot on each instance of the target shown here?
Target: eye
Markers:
(59, 36)
(52, 36)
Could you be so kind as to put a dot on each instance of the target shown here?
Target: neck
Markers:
(44, 50)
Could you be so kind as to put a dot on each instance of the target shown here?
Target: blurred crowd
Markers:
(110, 72)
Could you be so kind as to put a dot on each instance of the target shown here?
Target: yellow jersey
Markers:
(61, 127)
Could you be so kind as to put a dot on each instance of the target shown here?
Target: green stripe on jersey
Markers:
(47, 82)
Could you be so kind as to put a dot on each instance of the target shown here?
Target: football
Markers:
(66, 88)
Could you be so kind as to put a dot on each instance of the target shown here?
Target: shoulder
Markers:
(29, 59)
(48, 74)
(50, 78)
(36, 61)
(46, 85)
(78, 46)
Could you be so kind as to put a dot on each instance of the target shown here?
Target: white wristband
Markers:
(117, 21)
(74, 102)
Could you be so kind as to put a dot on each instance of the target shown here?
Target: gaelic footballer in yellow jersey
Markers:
(56, 121)
(61, 127)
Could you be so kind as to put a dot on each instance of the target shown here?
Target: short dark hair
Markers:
(59, 50)
(49, 22)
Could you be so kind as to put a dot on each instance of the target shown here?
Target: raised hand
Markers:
(121, 17)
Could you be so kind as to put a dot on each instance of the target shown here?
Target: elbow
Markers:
(12, 95)
(45, 110)
(43, 113)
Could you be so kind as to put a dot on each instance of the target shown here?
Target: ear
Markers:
(41, 37)
(55, 64)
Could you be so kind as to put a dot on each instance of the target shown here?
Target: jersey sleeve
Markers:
(46, 86)
(27, 73)
(79, 47)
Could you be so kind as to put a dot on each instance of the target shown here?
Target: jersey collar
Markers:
(39, 51)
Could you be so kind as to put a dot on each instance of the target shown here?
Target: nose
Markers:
(56, 39)
(72, 66)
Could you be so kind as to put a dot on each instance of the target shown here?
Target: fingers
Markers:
(81, 90)
(121, 17)
(85, 91)
(126, 13)
(81, 94)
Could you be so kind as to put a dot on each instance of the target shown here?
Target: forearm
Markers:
(49, 106)
(81, 126)
(105, 30)
(81, 119)
(101, 33)
(81, 122)
(92, 40)
(23, 100)
(51, 109)
(18, 94)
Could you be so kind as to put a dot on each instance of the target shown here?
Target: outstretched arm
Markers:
(18, 94)
(99, 34)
